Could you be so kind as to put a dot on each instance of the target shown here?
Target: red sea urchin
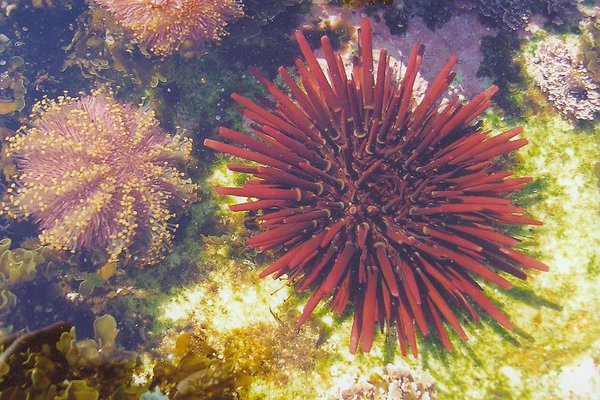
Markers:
(379, 202)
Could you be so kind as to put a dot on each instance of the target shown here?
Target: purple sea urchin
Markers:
(379, 202)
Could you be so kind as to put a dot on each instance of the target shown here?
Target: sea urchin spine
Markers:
(391, 206)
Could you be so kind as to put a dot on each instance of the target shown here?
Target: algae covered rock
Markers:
(590, 46)
(200, 372)
(515, 14)
(560, 72)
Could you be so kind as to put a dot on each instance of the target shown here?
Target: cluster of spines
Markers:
(380, 202)
(166, 26)
(97, 173)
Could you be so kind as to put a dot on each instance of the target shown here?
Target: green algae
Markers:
(17, 266)
(52, 364)
(551, 311)
(79, 390)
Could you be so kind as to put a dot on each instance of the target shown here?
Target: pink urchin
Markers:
(165, 25)
(98, 174)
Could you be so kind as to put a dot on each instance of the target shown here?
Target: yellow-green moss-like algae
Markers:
(555, 325)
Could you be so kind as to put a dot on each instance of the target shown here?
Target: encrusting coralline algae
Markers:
(558, 69)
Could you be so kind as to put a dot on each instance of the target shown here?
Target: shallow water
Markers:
(128, 272)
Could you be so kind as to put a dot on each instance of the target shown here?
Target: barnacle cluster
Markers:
(394, 381)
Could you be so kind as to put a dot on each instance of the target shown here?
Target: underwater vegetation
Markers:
(95, 173)
(200, 372)
(16, 267)
(103, 51)
(52, 363)
(12, 81)
(28, 70)
(388, 208)
(165, 25)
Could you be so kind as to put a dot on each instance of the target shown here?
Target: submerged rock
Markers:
(560, 73)
(394, 381)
